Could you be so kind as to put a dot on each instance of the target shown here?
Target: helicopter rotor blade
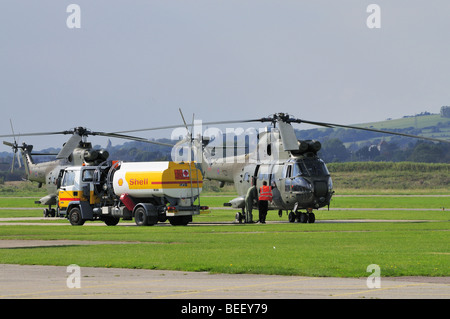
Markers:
(69, 146)
(12, 164)
(284, 118)
(39, 134)
(177, 126)
(9, 144)
(288, 136)
(18, 159)
(132, 138)
(332, 125)
(184, 121)
(12, 129)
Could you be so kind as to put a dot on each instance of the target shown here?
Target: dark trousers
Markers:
(263, 206)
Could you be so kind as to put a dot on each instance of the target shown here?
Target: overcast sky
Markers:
(132, 64)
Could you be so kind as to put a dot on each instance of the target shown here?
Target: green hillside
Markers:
(423, 121)
(432, 125)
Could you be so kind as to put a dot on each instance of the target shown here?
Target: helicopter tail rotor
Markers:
(15, 147)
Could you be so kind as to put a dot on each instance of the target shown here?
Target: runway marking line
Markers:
(378, 289)
(234, 287)
(75, 289)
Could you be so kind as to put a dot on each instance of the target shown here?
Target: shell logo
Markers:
(120, 181)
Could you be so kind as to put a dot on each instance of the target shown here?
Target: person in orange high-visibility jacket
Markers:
(265, 196)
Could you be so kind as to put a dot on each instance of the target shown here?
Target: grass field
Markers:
(336, 245)
(288, 249)
(390, 177)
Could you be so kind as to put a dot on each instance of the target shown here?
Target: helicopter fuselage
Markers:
(299, 181)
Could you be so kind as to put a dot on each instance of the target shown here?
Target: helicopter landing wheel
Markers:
(311, 218)
(49, 212)
(239, 218)
(292, 217)
(303, 218)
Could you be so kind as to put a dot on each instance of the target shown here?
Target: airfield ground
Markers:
(49, 282)
(215, 258)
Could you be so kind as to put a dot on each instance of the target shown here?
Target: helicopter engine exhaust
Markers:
(308, 146)
(92, 156)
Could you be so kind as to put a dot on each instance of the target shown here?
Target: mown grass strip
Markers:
(400, 249)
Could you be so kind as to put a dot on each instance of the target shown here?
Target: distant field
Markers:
(416, 122)
(430, 125)
(381, 176)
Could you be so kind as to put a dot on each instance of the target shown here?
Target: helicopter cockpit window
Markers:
(298, 170)
(287, 171)
(311, 167)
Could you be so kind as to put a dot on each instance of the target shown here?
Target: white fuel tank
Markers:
(146, 179)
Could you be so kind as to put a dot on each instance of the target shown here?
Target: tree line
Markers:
(334, 150)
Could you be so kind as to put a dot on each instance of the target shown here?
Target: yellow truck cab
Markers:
(76, 185)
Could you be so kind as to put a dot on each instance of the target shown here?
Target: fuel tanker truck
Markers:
(149, 192)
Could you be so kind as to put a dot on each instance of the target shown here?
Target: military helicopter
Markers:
(300, 179)
(76, 151)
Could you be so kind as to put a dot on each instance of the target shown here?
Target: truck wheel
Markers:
(180, 220)
(111, 221)
(75, 217)
(140, 217)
